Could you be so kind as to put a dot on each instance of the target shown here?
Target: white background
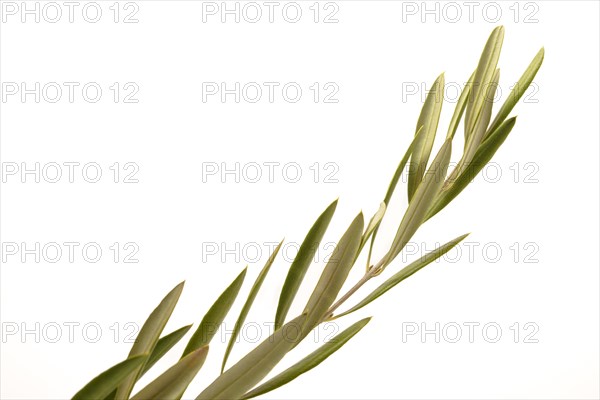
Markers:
(374, 53)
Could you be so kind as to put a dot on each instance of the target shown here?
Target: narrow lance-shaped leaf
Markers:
(483, 121)
(105, 383)
(400, 169)
(429, 118)
(517, 92)
(393, 184)
(472, 144)
(309, 362)
(148, 337)
(422, 200)
(371, 227)
(246, 308)
(334, 275)
(483, 75)
(404, 273)
(483, 155)
(300, 265)
(214, 317)
(480, 85)
(174, 381)
(486, 113)
(461, 105)
(251, 369)
(163, 345)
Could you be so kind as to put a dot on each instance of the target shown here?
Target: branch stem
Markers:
(373, 271)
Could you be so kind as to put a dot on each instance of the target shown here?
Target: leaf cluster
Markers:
(430, 189)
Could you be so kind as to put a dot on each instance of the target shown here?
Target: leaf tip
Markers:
(178, 289)
(360, 217)
(332, 207)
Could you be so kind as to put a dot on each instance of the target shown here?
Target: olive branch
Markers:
(430, 189)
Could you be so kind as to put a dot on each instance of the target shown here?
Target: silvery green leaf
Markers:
(163, 345)
(459, 110)
(246, 308)
(483, 155)
(335, 273)
(483, 76)
(148, 337)
(173, 382)
(105, 383)
(422, 200)
(482, 123)
(428, 120)
(250, 370)
(517, 92)
(372, 226)
(215, 316)
(300, 265)
(393, 184)
(309, 362)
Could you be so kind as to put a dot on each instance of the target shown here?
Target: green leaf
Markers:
(148, 337)
(308, 362)
(459, 110)
(215, 316)
(483, 76)
(486, 114)
(371, 227)
(174, 381)
(105, 383)
(335, 273)
(429, 118)
(483, 155)
(246, 308)
(300, 265)
(404, 273)
(424, 196)
(251, 369)
(517, 92)
(393, 184)
(163, 345)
